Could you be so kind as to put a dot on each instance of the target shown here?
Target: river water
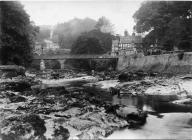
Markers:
(165, 120)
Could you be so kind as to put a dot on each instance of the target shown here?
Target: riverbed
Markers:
(77, 108)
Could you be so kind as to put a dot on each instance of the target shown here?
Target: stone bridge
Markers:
(63, 57)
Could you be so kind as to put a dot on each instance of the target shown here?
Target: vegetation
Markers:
(44, 33)
(166, 23)
(17, 34)
(93, 42)
(104, 25)
(66, 33)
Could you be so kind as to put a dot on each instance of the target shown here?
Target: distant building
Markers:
(50, 45)
(38, 48)
(126, 45)
(45, 46)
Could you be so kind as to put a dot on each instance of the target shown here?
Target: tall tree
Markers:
(93, 42)
(166, 23)
(66, 33)
(104, 25)
(104, 39)
(17, 34)
(44, 33)
(84, 45)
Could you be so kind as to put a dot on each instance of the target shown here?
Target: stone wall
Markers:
(176, 63)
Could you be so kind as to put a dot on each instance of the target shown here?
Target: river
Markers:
(165, 120)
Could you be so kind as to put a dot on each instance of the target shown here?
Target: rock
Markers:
(129, 76)
(22, 127)
(9, 71)
(81, 124)
(124, 77)
(83, 136)
(133, 115)
(187, 101)
(69, 113)
(13, 97)
(57, 91)
(163, 90)
(61, 133)
(54, 75)
(114, 91)
(17, 86)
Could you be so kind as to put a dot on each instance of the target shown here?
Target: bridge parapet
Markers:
(82, 56)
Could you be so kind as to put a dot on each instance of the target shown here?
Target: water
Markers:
(165, 120)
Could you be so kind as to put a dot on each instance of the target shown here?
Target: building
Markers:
(45, 46)
(38, 48)
(50, 45)
(126, 45)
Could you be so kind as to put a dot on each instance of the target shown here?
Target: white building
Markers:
(126, 45)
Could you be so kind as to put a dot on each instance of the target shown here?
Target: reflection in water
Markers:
(165, 120)
(158, 104)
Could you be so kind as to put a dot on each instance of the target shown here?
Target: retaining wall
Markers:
(177, 63)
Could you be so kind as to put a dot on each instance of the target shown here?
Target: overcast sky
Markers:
(119, 12)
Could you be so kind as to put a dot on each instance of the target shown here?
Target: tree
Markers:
(166, 23)
(44, 33)
(85, 45)
(66, 33)
(104, 39)
(104, 25)
(17, 34)
(93, 42)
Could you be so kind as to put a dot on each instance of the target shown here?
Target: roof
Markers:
(128, 39)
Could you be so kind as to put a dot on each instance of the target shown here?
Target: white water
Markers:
(170, 126)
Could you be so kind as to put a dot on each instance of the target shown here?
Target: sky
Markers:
(119, 12)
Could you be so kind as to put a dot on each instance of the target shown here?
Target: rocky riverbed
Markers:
(33, 107)
(31, 110)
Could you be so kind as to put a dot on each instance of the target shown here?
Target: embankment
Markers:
(177, 63)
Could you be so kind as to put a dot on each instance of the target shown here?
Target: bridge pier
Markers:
(42, 65)
(62, 63)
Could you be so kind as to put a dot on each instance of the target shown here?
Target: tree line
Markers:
(17, 35)
(167, 24)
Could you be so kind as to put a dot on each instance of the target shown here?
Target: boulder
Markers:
(13, 97)
(28, 126)
(124, 77)
(134, 116)
(60, 133)
(187, 101)
(17, 86)
(9, 71)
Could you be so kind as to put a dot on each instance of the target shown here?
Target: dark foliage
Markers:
(168, 24)
(93, 42)
(17, 34)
